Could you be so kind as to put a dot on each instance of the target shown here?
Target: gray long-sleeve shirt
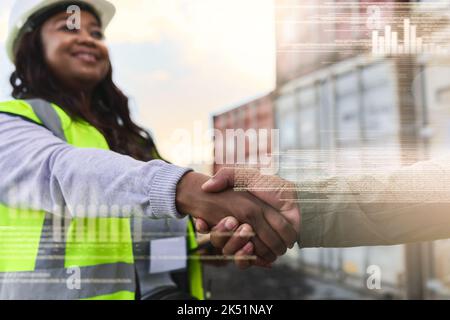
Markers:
(41, 172)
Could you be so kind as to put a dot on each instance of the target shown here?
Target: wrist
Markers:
(162, 191)
(188, 190)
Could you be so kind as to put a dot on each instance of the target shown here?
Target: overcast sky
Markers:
(180, 61)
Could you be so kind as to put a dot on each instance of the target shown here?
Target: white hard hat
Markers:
(24, 9)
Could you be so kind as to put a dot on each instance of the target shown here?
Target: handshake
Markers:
(247, 213)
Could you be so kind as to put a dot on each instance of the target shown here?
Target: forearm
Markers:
(41, 172)
(408, 205)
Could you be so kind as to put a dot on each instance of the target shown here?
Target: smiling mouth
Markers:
(86, 57)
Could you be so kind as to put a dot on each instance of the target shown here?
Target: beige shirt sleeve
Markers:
(408, 205)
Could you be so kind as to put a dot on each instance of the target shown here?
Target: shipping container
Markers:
(344, 111)
(432, 92)
(345, 117)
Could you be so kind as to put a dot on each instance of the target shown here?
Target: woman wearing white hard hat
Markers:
(83, 192)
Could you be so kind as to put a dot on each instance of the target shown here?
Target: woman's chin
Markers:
(90, 79)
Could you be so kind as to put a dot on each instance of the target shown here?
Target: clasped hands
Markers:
(253, 218)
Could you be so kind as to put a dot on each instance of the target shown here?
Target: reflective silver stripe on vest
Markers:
(49, 117)
(68, 284)
(51, 253)
(52, 248)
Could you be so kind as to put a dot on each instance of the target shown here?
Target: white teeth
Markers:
(86, 57)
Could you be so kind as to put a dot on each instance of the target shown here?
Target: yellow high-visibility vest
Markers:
(89, 248)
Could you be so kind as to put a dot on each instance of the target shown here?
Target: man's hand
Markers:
(274, 233)
(274, 191)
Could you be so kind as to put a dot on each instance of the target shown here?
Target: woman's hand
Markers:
(234, 241)
(273, 232)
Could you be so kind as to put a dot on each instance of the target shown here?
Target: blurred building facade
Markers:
(314, 34)
(332, 93)
(257, 114)
(431, 92)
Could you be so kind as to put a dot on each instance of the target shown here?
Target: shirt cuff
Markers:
(163, 192)
(311, 228)
(311, 222)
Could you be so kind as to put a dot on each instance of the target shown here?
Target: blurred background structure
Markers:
(359, 85)
(350, 85)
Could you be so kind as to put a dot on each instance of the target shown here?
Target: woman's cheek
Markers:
(106, 67)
